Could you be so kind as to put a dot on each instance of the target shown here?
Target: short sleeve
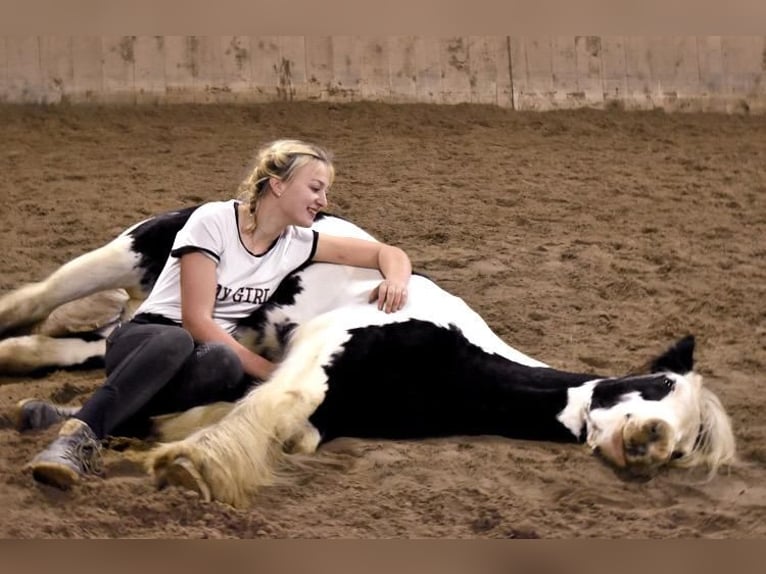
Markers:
(305, 241)
(202, 232)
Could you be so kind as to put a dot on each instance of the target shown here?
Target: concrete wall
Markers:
(722, 73)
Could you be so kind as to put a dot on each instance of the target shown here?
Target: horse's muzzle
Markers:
(640, 447)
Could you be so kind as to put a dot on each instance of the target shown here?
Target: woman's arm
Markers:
(198, 289)
(392, 262)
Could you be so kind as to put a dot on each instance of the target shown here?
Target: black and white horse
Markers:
(435, 368)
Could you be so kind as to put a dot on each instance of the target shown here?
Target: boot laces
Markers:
(86, 453)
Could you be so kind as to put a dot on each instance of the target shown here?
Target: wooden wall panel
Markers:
(485, 54)
(56, 67)
(588, 51)
(640, 84)
(504, 72)
(403, 80)
(292, 70)
(149, 69)
(674, 68)
(210, 81)
(744, 64)
(264, 63)
(566, 87)
(614, 78)
(518, 67)
(87, 69)
(4, 83)
(24, 78)
(455, 70)
(319, 66)
(236, 67)
(525, 73)
(428, 66)
(375, 68)
(533, 72)
(710, 60)
(118, 68)
(345, 83)
(180, 68)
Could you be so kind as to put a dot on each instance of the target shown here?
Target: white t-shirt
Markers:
(245, 280)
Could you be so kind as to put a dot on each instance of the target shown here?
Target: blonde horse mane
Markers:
(715, 445)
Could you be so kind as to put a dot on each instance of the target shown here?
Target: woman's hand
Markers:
(390, 295)
(198, 287)
(393, 263)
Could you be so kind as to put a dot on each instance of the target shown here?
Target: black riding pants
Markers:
(157, 369)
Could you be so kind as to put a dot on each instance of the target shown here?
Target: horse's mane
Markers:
(715, 445)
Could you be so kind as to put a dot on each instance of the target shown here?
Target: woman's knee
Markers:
(219, 361)
(174, 343)
(166, 343)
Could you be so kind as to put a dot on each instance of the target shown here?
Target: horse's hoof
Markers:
(182, 472)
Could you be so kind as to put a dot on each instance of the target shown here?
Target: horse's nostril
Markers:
(635, 450)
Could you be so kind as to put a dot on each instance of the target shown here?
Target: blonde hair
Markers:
(280, 159)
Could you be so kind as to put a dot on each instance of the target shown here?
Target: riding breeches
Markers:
(157, 369)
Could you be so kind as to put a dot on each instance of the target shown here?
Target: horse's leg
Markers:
(23, 355)
(83, 324)
(86, 314)
(178, 426)
(113, 266)
(305, 441)
(230, 460)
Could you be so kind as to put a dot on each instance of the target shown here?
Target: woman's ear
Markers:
(276, 186)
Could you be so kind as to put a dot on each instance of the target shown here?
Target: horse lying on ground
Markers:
(435, 368)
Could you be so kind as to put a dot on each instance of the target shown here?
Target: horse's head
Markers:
(642, 423)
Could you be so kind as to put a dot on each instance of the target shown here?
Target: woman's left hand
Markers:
(391, 296)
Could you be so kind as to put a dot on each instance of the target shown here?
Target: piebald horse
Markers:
(435, 368)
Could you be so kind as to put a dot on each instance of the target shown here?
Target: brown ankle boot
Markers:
(74, 454)
(35, 414)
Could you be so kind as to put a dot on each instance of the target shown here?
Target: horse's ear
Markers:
(678, 359)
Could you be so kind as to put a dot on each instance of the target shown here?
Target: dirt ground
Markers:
(588, 239)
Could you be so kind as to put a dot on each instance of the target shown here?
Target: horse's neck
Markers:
(416, 378)
(530, 402)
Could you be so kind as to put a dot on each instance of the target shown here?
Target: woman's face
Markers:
(305, 194)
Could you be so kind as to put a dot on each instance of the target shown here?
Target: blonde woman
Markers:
(178, 351)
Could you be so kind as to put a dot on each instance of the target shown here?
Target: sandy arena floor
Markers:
(591, 240)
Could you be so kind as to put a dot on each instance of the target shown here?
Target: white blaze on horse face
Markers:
(640, 432)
